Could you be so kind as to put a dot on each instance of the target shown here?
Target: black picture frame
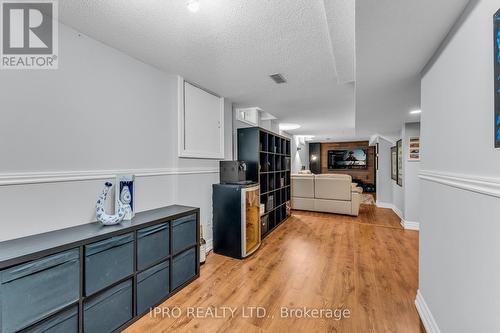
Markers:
(399, 146)
(394, 163)
(496, 66)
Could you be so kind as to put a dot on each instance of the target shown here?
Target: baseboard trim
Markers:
(425, 314)
(398, 212)
(381, 204)
(210, 245)
(482, 185)
(395, 209)
(7, 179)
(409, 225)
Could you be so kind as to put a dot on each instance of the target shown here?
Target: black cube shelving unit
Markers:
(272, 154)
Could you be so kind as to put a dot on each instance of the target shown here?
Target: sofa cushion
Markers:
(303, 186)
(333, 206)
(333, 187)
(303, 203)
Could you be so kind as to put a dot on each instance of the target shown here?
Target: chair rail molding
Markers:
(425, 314)
(25, 178)
(483, 185)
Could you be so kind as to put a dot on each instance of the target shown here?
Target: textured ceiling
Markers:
(230, 47)
(340, 16)
(394, 41)
(320, 46)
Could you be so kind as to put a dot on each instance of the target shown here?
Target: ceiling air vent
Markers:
(278, 78)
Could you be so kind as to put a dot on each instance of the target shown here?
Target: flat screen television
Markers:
(347, 159)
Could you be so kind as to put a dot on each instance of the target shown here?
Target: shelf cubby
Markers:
(270, 143)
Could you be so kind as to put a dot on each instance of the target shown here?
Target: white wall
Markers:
(406, 198)
(299, 157)
(384, 181)
(270, 125)
(411, 182)
(398, 195)
(64, 132)
(459, 238)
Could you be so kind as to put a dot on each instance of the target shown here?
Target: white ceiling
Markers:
(231, 46)
(394, 41)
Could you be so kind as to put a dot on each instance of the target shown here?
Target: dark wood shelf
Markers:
(276, 171)
(269, 211)
(272, 153)
(278, 189)
(270, 156)
(274, 228)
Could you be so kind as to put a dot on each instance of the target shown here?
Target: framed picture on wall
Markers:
(394, 163)
(399, 146)
(414, 149)
(496, 47)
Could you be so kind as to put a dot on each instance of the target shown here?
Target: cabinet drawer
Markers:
(183, 233)
(64, 322)
(38, 289)
(183, 268)
(109, 310)
(108, 261)
(152, 286)
(152, 245)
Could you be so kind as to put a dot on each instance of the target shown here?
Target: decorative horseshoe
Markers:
(101, 215)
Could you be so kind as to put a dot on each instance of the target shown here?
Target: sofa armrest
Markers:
(355, 202)
(356, 189)
(356, 192)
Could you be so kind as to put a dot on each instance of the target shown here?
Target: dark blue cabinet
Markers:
(184, 233)
(94, 278)
(64, 322)
(153, 245)
(152, 286)
(109, 310)
(183, 268)
(108, 261)
(37, 289)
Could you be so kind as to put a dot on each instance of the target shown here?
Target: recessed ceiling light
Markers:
(306, 137)
(416, 112)
(193, 6)
(288, 126)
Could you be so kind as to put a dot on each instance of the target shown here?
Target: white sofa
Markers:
(330, 193)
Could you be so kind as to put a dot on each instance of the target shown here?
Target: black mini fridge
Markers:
(236, 219)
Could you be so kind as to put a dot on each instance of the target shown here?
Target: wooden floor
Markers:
(367, 265)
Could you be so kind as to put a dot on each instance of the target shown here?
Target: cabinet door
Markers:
(201, 122)
(153, 245)
(252, 220)
(184, 268)
(37, 289)
(108, 261)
